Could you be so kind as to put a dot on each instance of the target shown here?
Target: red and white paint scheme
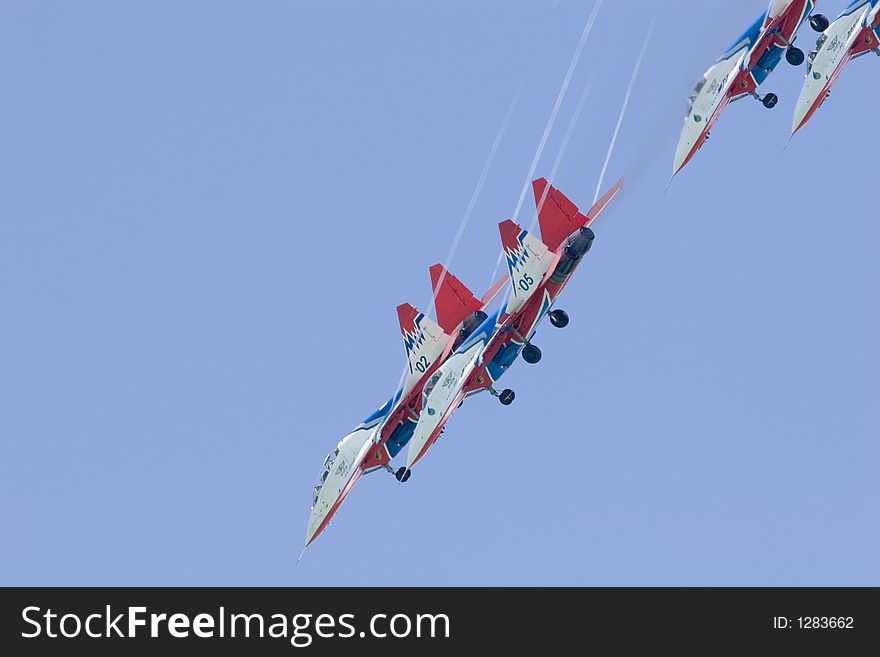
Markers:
(852, 34)
(538, 270)
(440, 395)
(376, 440)
(740, 70)
(712, 95)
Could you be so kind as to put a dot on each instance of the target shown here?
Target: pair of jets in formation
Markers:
(740, 70)
(466, 350)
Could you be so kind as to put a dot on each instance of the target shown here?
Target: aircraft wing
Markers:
(493, 291)
(776, 10)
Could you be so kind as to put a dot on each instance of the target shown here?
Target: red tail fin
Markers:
(559, 217)
(453, 300)
(407, 316)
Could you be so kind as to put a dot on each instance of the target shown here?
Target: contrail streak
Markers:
(632, 82)
(559, 98)
(479, 188)
(461, 226)
(552, 119)
(565, 139)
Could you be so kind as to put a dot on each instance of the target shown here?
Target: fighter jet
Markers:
(539, 270)
(740, 70)
(854, 33)
(380, 437)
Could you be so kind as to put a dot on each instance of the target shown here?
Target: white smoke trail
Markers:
(575, 58)
(632, 82)
(461, 226)
(565, 139)
(551, 120)
(479, 188)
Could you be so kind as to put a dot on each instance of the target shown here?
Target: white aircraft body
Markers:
(852, 34)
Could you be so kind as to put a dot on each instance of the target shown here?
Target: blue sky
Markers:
(211, 210)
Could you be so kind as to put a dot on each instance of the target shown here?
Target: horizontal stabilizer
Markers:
(424, 341)
(604, 200)
(453, 300)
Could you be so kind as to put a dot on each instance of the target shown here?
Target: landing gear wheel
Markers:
(559, 318)
(402, 474)
(571, 253)
(531, 354)
(819, 22)
(769, 101)
(794, 56)
(507, 396)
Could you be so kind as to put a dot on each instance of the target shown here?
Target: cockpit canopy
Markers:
(429, 386)
(697, 87)
(812, 55)
(322, 476)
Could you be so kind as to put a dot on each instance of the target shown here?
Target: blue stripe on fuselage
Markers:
(400, 437)
(482, 332)
(747, 39)
(773, 55)
(379, 414)
(767, 63)
(507, 354)
(856, 5)
(404, 431)
(503, 359)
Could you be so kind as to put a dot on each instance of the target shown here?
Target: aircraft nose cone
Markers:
(801, 114)
(311, 532)
(317, 523)
(679, 161)
(682, 153)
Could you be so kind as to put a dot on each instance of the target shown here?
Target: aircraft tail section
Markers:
(453, 300)
(528, 261)
(424, 341)
(558, 217)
